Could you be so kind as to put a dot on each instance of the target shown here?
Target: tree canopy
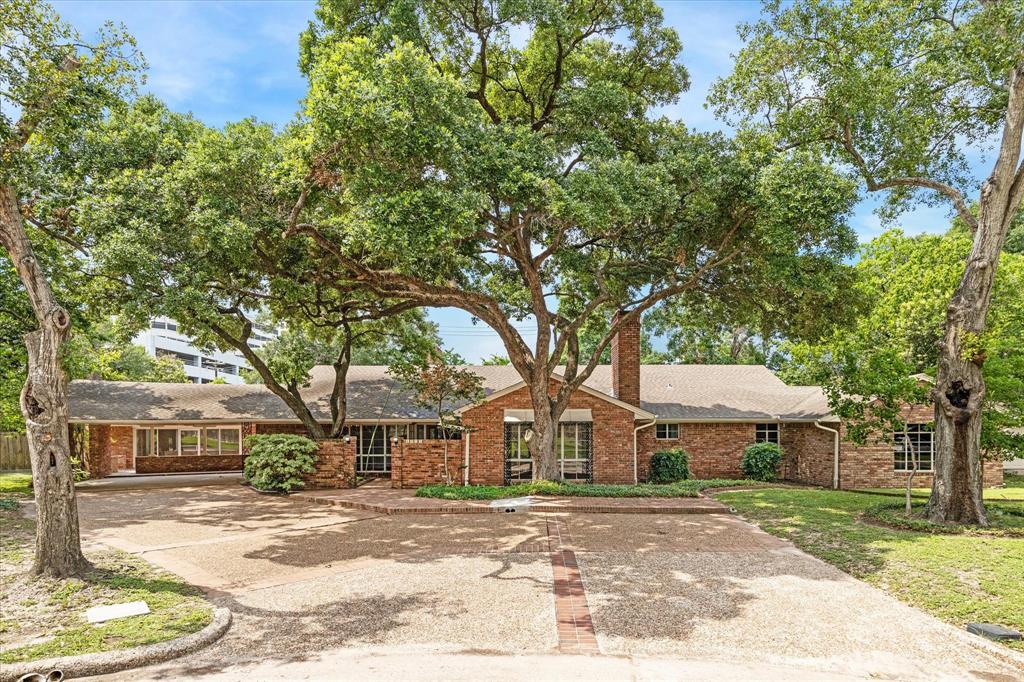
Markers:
(888, 357)
(447, 162)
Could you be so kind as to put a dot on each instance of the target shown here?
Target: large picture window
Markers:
(187, 441)
(918, 437)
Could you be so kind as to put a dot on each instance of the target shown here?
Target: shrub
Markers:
(277, 462)
(669, 466)
(761, 461)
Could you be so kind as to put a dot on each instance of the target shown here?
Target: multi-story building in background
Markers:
(202, 367)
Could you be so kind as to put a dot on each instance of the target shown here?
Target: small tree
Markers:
(441, 386)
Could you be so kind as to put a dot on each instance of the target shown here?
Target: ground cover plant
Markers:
(41, 617)
(691, 488)
(960, 578)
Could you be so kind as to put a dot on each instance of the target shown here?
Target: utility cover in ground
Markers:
(101, 614)
(992, 631)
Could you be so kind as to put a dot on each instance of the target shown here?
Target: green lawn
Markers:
(15, 483)
(44, 617)
(958, 578)
(495, 492)
(1013, 489)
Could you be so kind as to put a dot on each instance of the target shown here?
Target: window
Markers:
(189, 441)
(573, 449)
(666, 431)
(430, 432)
(766, 433)
(916, 439)
(373, 447)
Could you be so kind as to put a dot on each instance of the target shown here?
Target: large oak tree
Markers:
(504, 158)
(902, 92)
(54, 88)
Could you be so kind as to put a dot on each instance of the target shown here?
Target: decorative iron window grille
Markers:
(573, 450)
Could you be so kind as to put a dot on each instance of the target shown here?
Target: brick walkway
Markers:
(394, 501)
(572, 613)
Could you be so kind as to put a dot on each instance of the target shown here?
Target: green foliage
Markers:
(278, 462)
(761, 461)
(893, 89)
(669, 466)
(873, 366)
(15, 483)
(690, 488)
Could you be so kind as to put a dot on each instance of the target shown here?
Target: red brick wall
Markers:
(626, 363)
(421, 462)
(715, 449)
(335, 465)
(110, 450)
(807, 453)
(183, 464)
(612, 446)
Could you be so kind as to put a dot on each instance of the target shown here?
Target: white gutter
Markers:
(835, 453)
(465, 469)
(639, 428)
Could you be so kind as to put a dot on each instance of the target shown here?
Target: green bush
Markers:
(669, 466)
(761, 461)
(277, 462)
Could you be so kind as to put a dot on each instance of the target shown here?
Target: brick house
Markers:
(625, 412)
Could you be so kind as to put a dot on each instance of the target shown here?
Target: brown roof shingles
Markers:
(672, 392)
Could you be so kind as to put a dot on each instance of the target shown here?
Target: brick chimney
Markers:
(626, 362)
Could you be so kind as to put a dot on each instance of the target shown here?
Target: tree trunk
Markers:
(44, 404)
(545, 431)
(959, 387)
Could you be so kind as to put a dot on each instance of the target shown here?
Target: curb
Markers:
(122, 659)
(538, 508)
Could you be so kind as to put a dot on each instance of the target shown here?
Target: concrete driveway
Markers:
(321, 592)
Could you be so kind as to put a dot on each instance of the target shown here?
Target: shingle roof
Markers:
(674, 392)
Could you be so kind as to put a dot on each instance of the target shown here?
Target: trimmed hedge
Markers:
(669, 466)
(277, 462)
(761, 461)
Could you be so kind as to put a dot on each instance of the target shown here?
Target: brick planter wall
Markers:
(335, 465)
(421, 462)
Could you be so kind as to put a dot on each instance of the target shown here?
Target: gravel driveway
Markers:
(310, 584)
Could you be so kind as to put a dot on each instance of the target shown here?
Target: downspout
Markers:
(639, 428)
(835, 453)
(465, 468)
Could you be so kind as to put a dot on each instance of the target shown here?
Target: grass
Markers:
(1004, 520)
(959, 578)
(1013, 489)
(12, 483)
(550, 488)
(44, 617)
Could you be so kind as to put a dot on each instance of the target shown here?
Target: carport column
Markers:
(335, 465)
(397, 460)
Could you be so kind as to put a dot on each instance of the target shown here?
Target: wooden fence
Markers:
(14, 452)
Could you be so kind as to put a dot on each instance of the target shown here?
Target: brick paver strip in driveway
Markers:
(572, 613)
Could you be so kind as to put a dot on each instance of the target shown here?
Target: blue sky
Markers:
(224, 61)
